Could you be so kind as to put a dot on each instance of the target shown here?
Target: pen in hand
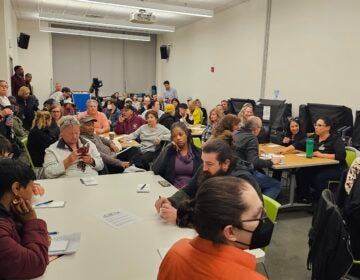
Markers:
(44, 203)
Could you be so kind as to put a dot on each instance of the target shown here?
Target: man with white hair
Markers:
(71, 155)
(247, 147)
(102, 124)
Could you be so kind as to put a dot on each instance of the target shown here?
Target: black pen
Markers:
(53, 233)
(143, 187)
(44, 203)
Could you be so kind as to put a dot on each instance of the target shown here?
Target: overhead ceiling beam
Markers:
(105, 23)
(156, 7)
(44, 27)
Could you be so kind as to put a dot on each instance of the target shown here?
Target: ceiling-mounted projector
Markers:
(142, 17)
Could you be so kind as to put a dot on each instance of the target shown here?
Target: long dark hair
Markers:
(218, 203)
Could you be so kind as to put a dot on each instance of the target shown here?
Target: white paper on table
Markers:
(270, 156)
(57, 246)
(301, 155)
(73, 244)
(162, 252)
(266, 113)
(273, 145)
(89, 181)
(118, 218)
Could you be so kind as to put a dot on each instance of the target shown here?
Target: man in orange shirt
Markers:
(102, 124)
(229, 217)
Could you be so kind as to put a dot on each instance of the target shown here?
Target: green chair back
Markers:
(350, 157)
(25, 142)
(271, 207)
(197, 142)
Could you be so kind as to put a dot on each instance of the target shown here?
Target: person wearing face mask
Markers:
(24, 240)
(112, 113)
(229, 217)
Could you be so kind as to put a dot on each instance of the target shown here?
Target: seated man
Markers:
(71, 155)
(102, 125)
(218, 160)
(247, 147)
(129, 121)
(106, 148)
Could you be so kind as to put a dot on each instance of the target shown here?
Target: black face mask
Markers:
(261, 235)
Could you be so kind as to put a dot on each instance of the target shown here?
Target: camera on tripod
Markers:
(96, 84)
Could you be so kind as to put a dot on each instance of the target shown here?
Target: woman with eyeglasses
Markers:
(294, 136)
(40, 137)
(229, 217)
(311, 181)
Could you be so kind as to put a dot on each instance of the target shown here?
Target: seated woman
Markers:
(40, 137)
(180, 159)
(56, 113)
(294, 136)
(247, 110)
(226, 213)
(150, 136)
(214, 118)
(326, 145)
(24, 240)
(112, 113)
(225, 128)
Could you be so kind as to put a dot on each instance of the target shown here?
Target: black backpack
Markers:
(330, 255)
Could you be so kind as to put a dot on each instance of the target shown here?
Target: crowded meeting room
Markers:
(179, 139)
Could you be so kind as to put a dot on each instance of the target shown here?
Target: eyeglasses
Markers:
(4, 86)
(55, 111)
(263, 216)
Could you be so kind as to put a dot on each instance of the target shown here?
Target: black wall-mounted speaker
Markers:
(23, 41)
(164, 52)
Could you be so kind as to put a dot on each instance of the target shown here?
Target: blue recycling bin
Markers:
(80, 99)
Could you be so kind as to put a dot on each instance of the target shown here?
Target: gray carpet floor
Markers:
(286, 256)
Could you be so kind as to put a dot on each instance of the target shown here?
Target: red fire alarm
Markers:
(212, 69)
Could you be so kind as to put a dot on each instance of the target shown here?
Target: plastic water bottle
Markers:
(309, 147)
(276, 94)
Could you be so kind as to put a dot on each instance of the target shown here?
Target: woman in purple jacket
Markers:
(23, 238)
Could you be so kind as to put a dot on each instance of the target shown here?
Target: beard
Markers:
(204, 175)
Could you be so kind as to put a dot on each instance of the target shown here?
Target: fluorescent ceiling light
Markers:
(105, 23)
(158, 7)
(93, 33)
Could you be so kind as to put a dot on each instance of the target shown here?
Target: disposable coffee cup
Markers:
(112, 135)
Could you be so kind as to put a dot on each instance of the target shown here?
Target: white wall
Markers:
(8, 44)
(232, 42)
(37, 59)
(121, 65)
(314, 52)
